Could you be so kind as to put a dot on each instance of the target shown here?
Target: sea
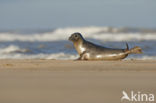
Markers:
(54, 44)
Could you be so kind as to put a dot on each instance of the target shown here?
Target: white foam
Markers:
(145, 57)
(12, 49)
(100, 33)
(57, 56)
(60, 56)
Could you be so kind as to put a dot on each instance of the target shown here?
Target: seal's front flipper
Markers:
(82, 56)
(78, 59)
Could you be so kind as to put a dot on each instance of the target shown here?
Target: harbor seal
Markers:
(90, 51)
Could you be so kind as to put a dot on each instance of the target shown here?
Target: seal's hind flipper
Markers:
(136, 50)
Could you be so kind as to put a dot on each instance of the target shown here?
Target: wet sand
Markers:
(58, 81)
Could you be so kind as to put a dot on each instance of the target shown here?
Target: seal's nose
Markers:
(70, 38)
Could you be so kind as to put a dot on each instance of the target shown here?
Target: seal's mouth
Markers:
(71, 38)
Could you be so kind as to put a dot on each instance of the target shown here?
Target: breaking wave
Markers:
(100, 33)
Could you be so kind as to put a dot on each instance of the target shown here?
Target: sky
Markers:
(33, 14)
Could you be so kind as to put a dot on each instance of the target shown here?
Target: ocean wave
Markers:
(54, 45)
(16, 52)
(13, 49)
(99, 33)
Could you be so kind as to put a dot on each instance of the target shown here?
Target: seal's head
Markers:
(75, 37)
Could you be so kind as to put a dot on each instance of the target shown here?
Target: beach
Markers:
(69, 81)
(41, 41)
(40, 66)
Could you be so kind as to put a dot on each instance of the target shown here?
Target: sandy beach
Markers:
(40, 41)
(67, 81)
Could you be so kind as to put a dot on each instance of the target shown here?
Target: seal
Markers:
(91, 51)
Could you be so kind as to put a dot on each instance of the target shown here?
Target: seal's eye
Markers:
(75, 36)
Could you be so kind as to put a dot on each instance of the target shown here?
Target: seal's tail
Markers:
(135, 50)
